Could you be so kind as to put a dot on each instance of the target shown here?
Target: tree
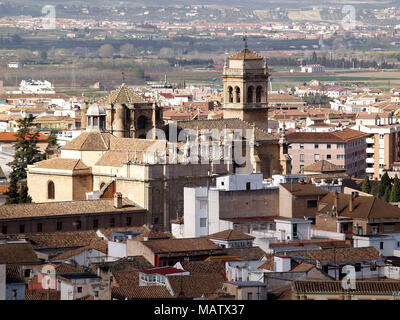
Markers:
(385, 182)
(13, 190)
(395, 194)
(127, 50)
(26, 153)
(106, 51)
(366, 186)
(386, 196)
(24, 55)
(52, 141)
(166, 53)
(139, 73)
(24, 196)
(43, 56)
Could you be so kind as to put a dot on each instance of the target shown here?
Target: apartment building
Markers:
(382, 147)
(345, 148)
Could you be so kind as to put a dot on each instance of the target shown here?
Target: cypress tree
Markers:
(395, 194)
(52, 140)
(386, 196)
(26, 153)
(385, 182)
(366, 186)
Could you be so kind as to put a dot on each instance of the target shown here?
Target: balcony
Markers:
(370, 160)
(370, 140)
(370, 150)
(370, 170)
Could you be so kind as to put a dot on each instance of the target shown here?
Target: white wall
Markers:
(193, 211)
(177, 230)
(239, 181)
(388, 244)
(315, 233)
(116, 249)
(284, 230)
(282, 264)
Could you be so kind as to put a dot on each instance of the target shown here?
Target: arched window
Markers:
(250, 94)
(258, 94)
(50, 190)
(230, 94)
(237, 93)
(142, 122)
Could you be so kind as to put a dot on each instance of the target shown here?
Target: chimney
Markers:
(336, 203)
(118, 200)
(351, 205)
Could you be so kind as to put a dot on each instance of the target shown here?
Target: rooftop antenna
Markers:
(123, 77)
(245, 42)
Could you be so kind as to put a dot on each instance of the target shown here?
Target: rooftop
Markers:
(364, 207)
(14, 211)
(323, 166)
(303, 189)
(335, 287)
(230, 235)
(344, 135)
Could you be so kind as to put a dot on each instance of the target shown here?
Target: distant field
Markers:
(377, 79)
(309, 15)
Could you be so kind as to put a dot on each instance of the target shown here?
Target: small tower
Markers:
(245, 79)
(284, 158)
(96, 118)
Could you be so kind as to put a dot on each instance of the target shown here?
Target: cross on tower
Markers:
(245, 41)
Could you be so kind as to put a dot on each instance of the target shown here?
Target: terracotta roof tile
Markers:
(230, 235)
(13, 274)
(90, 141)
(248, 254)
(339, 254)
(13, 211)
(195, 285)
(336, 287)
(62, 163)
(123, 95)
(19, 253)
(216, 267)
(137, 292)
(322, 167)
(245, 54)
(180, 245)
(344, 135)
(365, 207)
(42, 294)
(303, 189)
(11, 137)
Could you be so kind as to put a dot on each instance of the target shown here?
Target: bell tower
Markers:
(245, 78)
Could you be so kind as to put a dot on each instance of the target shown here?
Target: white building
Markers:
(14, 65)
(36, 86)
(313, 68)
(201, 204)
(387, 244)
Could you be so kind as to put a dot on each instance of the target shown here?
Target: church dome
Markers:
(96, 110)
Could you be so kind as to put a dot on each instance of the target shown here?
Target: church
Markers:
(112, 154)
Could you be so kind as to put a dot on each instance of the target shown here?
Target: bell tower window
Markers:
(237, 94)
(250, 94)
(258, 94)
(230, 94)
(50, 190)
